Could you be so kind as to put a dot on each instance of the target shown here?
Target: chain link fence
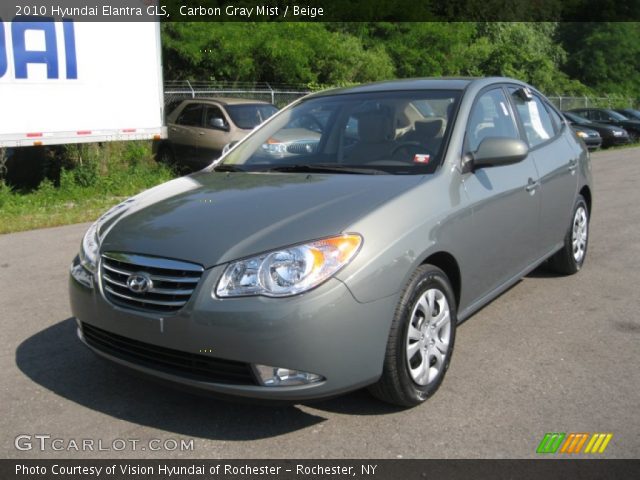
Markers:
(567, 103)
(280, 95)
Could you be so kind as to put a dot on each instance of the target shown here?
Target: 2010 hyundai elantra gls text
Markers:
(339, 245)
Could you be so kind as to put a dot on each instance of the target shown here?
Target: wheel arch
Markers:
(586, 193)
(449, 265)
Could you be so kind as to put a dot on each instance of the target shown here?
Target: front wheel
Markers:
(570, 258)
(420, 341)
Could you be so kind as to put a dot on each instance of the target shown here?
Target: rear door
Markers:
(183, 133)
(556, 162)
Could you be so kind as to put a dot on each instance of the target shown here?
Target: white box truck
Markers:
(77, 81)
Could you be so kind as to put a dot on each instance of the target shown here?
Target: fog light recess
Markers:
(284, 377)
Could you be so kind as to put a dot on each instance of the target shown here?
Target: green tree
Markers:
(271, 52)
(430, 49)
(527, 51)
(605, 56)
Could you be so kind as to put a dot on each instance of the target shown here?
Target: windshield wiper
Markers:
(323, 168)
(228, 168)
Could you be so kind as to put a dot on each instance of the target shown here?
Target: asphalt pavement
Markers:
(553, 354)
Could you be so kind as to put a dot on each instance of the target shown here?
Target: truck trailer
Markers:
(66, 81)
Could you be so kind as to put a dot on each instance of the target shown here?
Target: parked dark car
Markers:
(590, 137)
(349, 262)
(611, 117)
(199, 128)
(610, 135)
(630, 113)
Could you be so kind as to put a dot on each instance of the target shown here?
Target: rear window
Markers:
(191, 115)
(535, 118)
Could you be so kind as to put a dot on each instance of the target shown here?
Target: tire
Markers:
(166, 156)
(570, 258)
(407, 379)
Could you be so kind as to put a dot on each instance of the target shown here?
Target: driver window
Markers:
(491, 116)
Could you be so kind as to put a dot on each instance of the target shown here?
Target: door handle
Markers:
(200, 133)
(532, 185)
(573, 164)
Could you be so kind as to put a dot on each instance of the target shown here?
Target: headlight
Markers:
(290, 270)
(274, 147)
(89, 249)
(582, 134)
(91, 243)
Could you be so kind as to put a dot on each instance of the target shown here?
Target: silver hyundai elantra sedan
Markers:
(339, 245)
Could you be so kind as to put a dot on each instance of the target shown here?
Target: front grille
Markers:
(189, 365)
(303, 147)
(172, 282)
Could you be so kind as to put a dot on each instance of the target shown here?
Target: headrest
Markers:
(375, 127)
(428, 128)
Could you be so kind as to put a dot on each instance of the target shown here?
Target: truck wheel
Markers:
(570, 258)
(420, 341)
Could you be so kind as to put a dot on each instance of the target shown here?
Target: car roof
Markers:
(227, 100)
(586, 109)
(446, 83)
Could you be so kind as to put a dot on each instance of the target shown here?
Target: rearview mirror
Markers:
(495, 151)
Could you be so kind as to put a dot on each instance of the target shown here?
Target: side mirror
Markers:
(218, 123)
(496, 151)
(229, 146)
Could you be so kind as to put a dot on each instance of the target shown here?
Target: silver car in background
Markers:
(339, 245)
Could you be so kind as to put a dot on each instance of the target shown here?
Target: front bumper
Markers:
(611, 140)
(324, 331)
(592, 143)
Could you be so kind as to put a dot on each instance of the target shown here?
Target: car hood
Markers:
(296, 134)
(211, 218)
(635, 124)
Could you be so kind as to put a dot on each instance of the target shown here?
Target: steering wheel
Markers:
(411, 147)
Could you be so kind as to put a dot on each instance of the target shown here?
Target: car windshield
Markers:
(630, 114)
(248, 115)
(576, 118)
(616, 115)
(384, 132)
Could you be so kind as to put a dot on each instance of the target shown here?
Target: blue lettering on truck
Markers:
(22, 56)
(3, 51)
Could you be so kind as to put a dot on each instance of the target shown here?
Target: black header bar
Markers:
(323, 10)
(319, 469)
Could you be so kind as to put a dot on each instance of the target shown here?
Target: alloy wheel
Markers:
(579, 234)
(428, 337)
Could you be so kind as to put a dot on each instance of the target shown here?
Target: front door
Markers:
(505, 200)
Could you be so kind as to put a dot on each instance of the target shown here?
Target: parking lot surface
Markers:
(553, 354)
